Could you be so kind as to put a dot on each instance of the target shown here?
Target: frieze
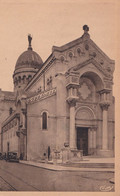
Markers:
(52, 60)
(93, 54)
(9, 99)
(108, 85)
(92, 60)
(72, 53)
(42, 71)
(61, 59)
(93, 106)
(102, 61)
(42, 95)
(10, 125)
(75, 79)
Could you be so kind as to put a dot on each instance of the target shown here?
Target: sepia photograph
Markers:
(58, 96)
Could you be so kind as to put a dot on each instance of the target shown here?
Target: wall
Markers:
(9, 136)
(43, 80)
(38, 140)
(5, 105)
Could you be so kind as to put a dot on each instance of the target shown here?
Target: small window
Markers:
(44, 120)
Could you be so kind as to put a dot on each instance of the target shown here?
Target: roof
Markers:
(29, 58)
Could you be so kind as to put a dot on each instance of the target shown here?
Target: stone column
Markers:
(22, 134)
(72, 138)
(23, 119)
(18, 134)
(72, 83)
(104, 107)
(90, 140)
(94, 138)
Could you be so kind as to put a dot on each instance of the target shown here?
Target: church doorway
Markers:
(82, 140)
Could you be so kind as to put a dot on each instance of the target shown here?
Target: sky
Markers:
(52, 22)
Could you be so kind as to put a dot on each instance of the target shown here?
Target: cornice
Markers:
(41, 96)
(41, 71)
(94, 62)
(10, 118)
(101, 52)
(67, 46)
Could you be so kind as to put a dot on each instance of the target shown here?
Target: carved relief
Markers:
(85, 113)
(84, 91)
(104, 106)
(62, 58)
(10, 125)
(86, 46)
(108, 85)
(70, 55)
(101, 62)
(92, 54)
(79, 50)
(75, 79)
(41, 96)
(109, 69)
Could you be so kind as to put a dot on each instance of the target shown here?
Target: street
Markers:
(20, 177)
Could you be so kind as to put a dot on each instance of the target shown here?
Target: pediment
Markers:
(92, 64)
(82, 50)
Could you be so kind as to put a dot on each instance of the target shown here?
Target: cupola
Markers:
(28, 63)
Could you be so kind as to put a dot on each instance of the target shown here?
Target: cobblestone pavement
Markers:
(4, 186)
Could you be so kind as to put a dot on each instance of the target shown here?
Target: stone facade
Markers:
(67, 106)
(7, 106)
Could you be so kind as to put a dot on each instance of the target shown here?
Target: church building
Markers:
(61, 107)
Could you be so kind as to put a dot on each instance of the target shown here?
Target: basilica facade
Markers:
(62, 105)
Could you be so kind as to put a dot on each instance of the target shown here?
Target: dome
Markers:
(30, 59)
(27, 65)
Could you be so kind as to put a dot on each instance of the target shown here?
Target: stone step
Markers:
(90, 165)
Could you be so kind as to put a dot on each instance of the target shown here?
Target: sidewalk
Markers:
(58, 167)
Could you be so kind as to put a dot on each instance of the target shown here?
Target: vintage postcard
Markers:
(59, 97)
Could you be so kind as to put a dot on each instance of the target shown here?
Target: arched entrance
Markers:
(85, 122)
(90, 83)
(88, 92)
(82, 139)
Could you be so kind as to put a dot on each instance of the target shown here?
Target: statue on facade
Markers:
(85, 28)
(29, 40)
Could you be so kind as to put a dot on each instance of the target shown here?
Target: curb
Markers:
(63, 168)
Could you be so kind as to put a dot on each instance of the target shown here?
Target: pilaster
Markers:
(104, 104)
(104, 107)
(72, 83)
(92, 140)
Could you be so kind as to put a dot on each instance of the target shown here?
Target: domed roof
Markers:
(29, 58)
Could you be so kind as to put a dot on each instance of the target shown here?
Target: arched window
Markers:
(44, 120)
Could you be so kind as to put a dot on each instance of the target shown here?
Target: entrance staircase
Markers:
(91, 162)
